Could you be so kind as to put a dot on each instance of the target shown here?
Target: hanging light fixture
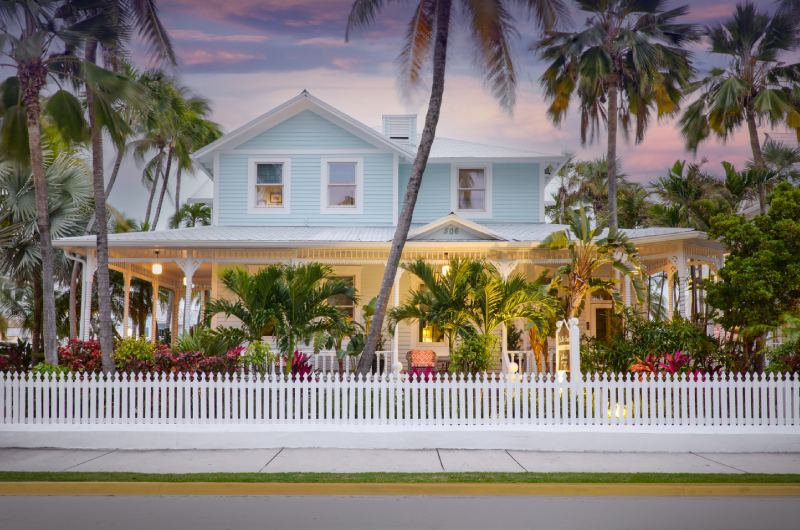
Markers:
(446, 266)
(157, 268)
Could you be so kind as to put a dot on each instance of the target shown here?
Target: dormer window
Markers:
(341, 190)
(472, 191)
(268, 183)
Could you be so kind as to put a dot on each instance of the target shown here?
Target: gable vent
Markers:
(401, 128)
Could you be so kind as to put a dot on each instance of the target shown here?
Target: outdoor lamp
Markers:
(446, 266)
(157, 268)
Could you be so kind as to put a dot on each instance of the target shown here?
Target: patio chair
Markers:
(421, 359)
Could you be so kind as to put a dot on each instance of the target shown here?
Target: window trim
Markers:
(475, 214)
(324, 207)
(251, 186)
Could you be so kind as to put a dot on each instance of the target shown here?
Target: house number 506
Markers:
(451, 230)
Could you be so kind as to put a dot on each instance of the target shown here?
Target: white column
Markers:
(126, 304)
(154, 321)
(396, 364)
(574, 347)
(685, 308)
(202, 311)
(189, 266)
(670, 293)
(628, 287)
(89, 268)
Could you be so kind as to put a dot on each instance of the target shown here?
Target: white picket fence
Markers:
(488, 400)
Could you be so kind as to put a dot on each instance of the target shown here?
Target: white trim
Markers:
(215, 198)
(327, 209)
(270, 152)
(453, 218)
(395, 188)
(286, 174)
(473, 214)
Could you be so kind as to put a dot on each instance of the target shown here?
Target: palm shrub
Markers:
(473, 355)
(210, 342)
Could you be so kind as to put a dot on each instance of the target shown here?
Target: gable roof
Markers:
(301, 102)
(453, 220)
(454, 148)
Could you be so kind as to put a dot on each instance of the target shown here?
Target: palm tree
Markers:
(633, 204)
(191, 215)
(290, 302)
(568, 192)
(686, 192)
(442, 301)
(755, 87)
(194, 131)
(29, 37)
(589, 252)
(627, 60)
(490, 26)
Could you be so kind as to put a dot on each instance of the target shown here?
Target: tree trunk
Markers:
(758, 160)
(163, 189)
(73, 300)
(106, 333)
(611, 158)
(36, 328)
(154, 186)
(32, 76)
(178, 189)
(443, 8)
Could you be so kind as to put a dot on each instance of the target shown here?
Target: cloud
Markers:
(322, 41)
(202, 36)
(196, 57)
(346, 63)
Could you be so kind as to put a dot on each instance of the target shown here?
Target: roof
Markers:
(274, 236)
(453, 148)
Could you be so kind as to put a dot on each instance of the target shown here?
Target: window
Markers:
(269, 186)
(341, 186)
(344, 303)
(430, 333)
(471, 189)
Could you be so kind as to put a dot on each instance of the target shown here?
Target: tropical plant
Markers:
(210, 342)
(686, 195)
(490, 27)
(443, 299)
(756, 86)
(473, 355)
(588, 252)
(191, 215)
(134, 349)
(628, 60)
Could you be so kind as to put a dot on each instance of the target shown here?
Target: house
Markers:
(307, 182)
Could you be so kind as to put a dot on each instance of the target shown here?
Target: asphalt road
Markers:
(330, 513)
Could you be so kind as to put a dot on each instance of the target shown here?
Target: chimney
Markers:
(400, 128)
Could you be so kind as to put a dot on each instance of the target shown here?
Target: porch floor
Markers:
(390, 460)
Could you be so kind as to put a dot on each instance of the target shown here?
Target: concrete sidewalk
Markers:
(386, 460)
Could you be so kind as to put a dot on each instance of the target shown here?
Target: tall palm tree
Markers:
(38, 37)
(633, 205)
(628, 60)
(442, 300)
(191, 215)
(684, 191)
(490, 27)
(588, 252)
(194, 131)
(755, 87)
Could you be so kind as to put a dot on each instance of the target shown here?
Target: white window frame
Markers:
(475, 214)
(286, 173)
(324, 207)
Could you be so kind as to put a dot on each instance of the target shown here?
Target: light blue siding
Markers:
(305, 193)
(306, 130)
(515, 193)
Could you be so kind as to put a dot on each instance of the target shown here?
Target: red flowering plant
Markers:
(301, 365)
(671, 363)
(16, 357)
(81, 355)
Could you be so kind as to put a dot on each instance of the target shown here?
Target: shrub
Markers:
(210, 342)
(301, 364)
(16, 357)
(134, 354)
(81, 356)
(473, 355)
(258, 357)
(784, 357)
(49, 369)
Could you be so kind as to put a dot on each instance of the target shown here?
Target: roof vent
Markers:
(401, 128)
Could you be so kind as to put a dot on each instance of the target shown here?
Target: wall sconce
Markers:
(446, 266)
(157, 268)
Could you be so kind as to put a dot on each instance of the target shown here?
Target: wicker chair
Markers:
(421, 359)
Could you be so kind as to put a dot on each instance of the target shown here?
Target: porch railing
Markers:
(441, 401)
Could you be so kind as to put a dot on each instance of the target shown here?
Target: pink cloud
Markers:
(219, 56)
(322, 41)
(346, 63)
(202, 36)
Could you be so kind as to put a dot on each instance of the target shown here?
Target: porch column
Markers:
(154, 324)
(670, 293)
(628, 287)
(574, 348)
(89, 268)
(396, 364)
(202, 312)
(685, 308)
(126, 304)
(189, 266)
(173, 323)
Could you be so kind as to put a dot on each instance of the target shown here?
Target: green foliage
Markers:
(785, 358)
(473, 355)
(640, 338)
(760, 281)
(210, 342)
(258, 356)
(132, 349)
(49, 369)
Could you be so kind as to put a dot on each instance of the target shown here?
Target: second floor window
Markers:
(472, 189)
(342, 184)
(269, 185)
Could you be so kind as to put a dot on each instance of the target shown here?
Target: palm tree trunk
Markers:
(163, 190)
(443, 9)
(99, 187)
(178, 189)
(73, 300)
(32, 76)
(153, 187)
(611, 158)
(36, 327)
(758, 160)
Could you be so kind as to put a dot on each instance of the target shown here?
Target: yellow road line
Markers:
(393, 489)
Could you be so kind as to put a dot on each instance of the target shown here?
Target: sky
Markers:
(247, 56)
